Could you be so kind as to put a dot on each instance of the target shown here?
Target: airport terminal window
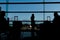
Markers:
(30, 7)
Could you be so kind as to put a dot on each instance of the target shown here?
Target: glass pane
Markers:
(25, 16)
(52, 7)
(2, 0)
(3, 7)
(25, 7)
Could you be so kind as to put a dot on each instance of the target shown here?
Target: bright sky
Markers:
(30, 7)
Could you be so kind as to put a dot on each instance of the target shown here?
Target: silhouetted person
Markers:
(32, 24)
(56, 18)
(3, 22)
(56, 23)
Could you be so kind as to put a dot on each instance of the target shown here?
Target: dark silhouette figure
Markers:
(16, 32)
(56, 25)
(32, 24)
(56, 22)
(56, 18)
(4, 24)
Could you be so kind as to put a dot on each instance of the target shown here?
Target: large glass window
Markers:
(30, 7)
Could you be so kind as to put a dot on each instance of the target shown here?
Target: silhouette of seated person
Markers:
(56, 21)
(56, 25)
(3, 22)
